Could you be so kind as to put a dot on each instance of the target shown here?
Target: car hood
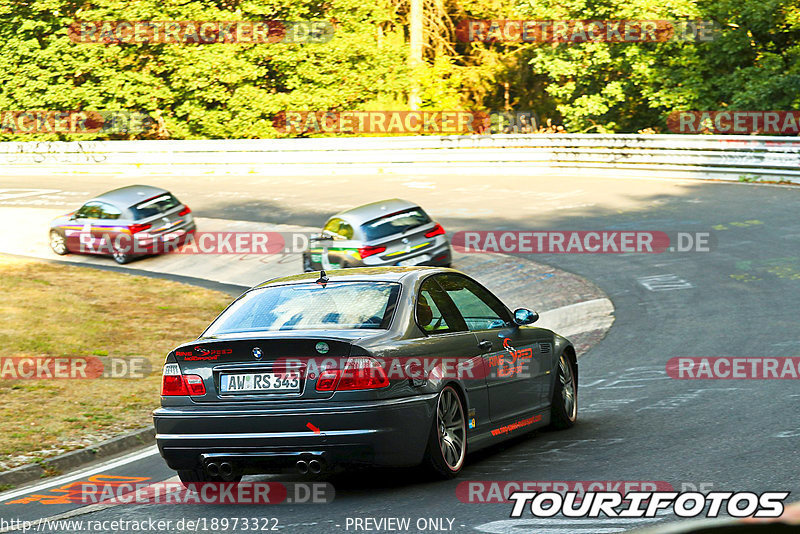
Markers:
(62, 219)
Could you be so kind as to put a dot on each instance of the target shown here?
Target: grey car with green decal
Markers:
(385, 233)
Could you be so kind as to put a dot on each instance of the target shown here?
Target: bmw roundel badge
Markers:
(257, 354)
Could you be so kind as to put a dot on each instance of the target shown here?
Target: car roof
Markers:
(130, 195)
(368, 212)
(358, 274)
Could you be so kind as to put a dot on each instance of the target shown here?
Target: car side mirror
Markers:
(523, 316)
(73, 216)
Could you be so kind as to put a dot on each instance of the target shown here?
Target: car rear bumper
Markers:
(391, 432)
(166, 242)
(437, 257)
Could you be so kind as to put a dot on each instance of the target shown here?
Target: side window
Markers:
(480, 309)
(338, 229)
(90, 210)
(435, 312)
(109, 212)
(345, 230)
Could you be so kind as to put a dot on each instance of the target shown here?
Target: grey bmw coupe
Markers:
(391, 366)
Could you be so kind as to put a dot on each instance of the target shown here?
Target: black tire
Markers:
(58, 242)
(444, 456)
(120, 257)
(564, 406)
(189, 476)
(307, 268)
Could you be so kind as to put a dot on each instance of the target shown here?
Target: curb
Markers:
(70, 460)
(584, 316)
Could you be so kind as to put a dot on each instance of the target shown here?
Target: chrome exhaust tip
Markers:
(226, 469)
(212, 468)
(302, 467)
(315, 467)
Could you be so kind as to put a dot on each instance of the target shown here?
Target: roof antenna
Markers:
(323, 278)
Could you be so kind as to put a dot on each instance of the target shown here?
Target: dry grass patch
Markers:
(49, 310)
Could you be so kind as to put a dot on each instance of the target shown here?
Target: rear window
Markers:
(337, 305)
(154, 206)
(395, 223)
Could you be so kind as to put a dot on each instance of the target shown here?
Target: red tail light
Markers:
(174, 383)
(195, 385)
(358, 373)
(327, 380)
(437, 230)
(362, 373)
(136, 228)
(185, 211)
(369, 251)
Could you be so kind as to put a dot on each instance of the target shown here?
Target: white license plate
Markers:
(241, 382)
(415, 261)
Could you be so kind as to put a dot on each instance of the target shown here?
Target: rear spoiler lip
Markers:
(282, 336)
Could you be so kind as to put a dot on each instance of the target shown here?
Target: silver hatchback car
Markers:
(136, 220)
(385, 233)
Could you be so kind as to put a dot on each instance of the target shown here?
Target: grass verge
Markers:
(50, 310)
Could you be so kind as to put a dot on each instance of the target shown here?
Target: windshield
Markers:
(337, 305)
(154, 206)
(395, 223)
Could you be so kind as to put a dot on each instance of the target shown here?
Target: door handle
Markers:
(485, 345)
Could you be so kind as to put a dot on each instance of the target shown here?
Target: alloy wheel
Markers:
(567, 379)
(58, 243)
(451, 427)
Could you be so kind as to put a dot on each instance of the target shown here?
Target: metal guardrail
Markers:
(748, 158)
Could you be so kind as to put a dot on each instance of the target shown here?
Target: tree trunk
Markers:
(415, 53)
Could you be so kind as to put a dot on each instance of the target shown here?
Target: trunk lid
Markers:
(166, 222)
(407, 244)
(280, 357)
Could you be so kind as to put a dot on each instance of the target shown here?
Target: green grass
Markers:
(53, 310)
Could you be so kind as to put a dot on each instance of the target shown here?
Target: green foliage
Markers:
(233, 90)
(193, 91)
(751, 64)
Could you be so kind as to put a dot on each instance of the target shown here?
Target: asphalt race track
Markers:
(635, 422)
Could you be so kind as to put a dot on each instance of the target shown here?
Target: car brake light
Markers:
(185, 211)
(174, 383)
(136, 228)
(369, 251)
(358, 373)
(195, 385)
(362, 373)
(437, 230)
(327, 380)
